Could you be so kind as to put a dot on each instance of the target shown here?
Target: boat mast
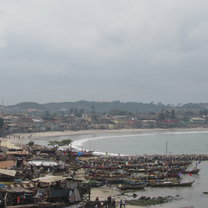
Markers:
(89, 143)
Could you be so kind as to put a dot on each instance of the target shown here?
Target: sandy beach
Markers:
(80, 132)
(15, 138)
(104, 192)
(37, 135)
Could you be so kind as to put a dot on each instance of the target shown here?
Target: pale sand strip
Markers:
(81, 132)
(37, 135)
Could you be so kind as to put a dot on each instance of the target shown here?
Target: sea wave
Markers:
(79, 143)
(185, 132)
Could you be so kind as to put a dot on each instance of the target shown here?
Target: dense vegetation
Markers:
(115, 107)
(60, 143)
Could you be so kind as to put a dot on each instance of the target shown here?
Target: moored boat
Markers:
(131, 186)
(82, 153)
(194, 171)
(171, 184)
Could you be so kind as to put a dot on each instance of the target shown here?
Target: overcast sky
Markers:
(127, 50)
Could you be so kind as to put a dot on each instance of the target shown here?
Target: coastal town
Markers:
(103, 104)
(28, 119)
(59, 175)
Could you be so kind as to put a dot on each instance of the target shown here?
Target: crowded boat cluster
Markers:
(38, 176)
(137, 172)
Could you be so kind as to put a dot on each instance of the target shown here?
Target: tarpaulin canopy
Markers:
(50, 179)
(43, 163)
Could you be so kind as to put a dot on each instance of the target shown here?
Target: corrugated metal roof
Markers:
(9, 145)
(7, 164)
(29, 185)
(8, 172)
(15, 190)
(17, 152)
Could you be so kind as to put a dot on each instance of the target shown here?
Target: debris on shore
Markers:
(147, 201)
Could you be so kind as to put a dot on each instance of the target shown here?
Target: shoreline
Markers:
(16, 139)
(38, 135)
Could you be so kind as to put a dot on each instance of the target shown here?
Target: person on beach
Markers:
(113, 202)
(97, 202)
(124, 203)
(121, 203)
(18, 199)
(109, 201)
(2, 204)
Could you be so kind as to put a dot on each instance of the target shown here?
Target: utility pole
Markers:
(166, 148)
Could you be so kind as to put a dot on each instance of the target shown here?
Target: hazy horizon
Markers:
(152, 102)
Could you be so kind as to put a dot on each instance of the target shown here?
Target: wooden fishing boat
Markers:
(171, 184)
(40, 205)
(194, 171)
(82, 153)
(132, 186)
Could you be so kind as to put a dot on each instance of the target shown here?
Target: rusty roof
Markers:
(7, 164)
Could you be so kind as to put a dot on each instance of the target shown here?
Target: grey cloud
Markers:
(103, 50)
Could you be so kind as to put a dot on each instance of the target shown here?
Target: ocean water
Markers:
(140, 143)
(158, 142)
